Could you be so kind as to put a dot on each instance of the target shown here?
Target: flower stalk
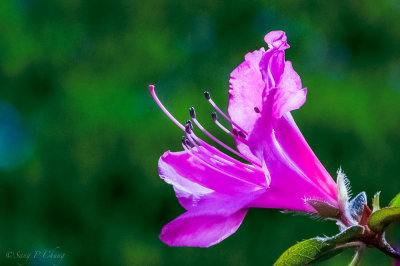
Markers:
(386, 248)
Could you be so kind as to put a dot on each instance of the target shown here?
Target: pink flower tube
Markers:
(281, 170)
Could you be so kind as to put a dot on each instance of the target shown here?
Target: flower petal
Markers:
(277, 40)
(201, 230)
(296, 147)
(187, 191)
(272, 66)
(288, 181)
(245, 89)
(194, 178)
(290, 95)
(213, 220)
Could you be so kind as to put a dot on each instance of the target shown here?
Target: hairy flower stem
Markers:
(371, 239)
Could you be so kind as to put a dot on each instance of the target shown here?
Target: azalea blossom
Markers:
(280, 169)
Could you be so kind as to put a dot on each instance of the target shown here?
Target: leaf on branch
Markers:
(395, 201)
(375, 202)
(304, 252)
(382, 218)
(318, 248)
(349, 235)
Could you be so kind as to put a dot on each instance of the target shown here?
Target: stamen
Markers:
(209, 151)
(222, 127)
(151, 87)
(216, 168)
(257, 110)
(208, 97)
(221, 143)
(215, 118)
(190, 138)
(188, 127)
(234, 131)
(188, 122)
(203, 150)
(185, 141)
(189, 150)
(192, 112)
(217, 163)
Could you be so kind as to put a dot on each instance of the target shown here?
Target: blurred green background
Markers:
(80, 135)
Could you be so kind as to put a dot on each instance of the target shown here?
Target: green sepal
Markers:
(324, 209)
(356, 205)
(395, 201)
(318, 248)
(375, 202)
(382, 218)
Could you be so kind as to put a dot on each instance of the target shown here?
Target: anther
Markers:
(184, 140)
(214, 116)
(240, 133)
(192, 112)
(188, 128)
(257, 110)
(207, 95)
(235, 132)
(188, 122)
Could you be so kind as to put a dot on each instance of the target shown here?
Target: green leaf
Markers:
(382, 218)
(375, 202)
(304, 252)
(314, 249)
(395, 201)
(350, 234)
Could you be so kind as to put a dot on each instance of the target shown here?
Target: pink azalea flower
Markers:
(281, 170)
